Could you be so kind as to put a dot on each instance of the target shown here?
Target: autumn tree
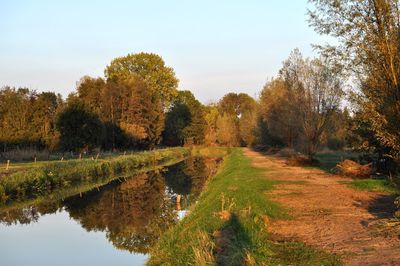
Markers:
(142, 117)
(317, 88)
(300, 104)
(210, 116)
(27, 118)
(227, 130)
(278, 114)
(367, 33)
(242, 109)
(151, 68)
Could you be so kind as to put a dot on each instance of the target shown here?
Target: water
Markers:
(116, 224)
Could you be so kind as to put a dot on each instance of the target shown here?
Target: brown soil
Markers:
(331, 216)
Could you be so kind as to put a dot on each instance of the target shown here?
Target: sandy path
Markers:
(330, 216)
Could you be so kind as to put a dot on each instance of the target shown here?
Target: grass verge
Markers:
(229, 225)
(54, 177)
(376, 185)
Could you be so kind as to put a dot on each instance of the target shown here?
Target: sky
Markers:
(214, 46)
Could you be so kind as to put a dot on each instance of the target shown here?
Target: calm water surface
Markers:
(113, 225)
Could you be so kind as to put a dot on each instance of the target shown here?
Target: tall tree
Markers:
(185, 121)
(151, 68)
(368, 47)
(227, 130)
(242, 108)
(317, 87)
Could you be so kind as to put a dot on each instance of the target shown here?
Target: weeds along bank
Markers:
(80, 175)
(229, 224)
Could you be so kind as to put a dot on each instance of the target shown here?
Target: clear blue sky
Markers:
(215, 46)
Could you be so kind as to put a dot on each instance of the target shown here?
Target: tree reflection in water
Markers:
(133, 212)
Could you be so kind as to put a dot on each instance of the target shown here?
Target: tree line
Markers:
(136, 105)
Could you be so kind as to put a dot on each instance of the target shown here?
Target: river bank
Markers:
(229, 225)
(61, 179)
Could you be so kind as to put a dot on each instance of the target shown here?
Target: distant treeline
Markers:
(136, 106)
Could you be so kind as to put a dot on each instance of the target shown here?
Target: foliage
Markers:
(227, 130)
(298, 107)
(27, 118)
(151, 68)
(241, 110)
(80, 130)
(132, 113)
(185, 121)
(368, 47)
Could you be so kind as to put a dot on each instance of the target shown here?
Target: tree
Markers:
(142, 117)
(151, 68)
(185, 122)
(133, 114)
(211, 116)
(227, 130)
(44, 114)
(177, 119)
(368, 47)
(27, 119)
(299, 105)
(80, 130)
(241, 107)
(278, 114)
(91, 90)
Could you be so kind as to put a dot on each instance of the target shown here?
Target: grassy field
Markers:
(43, 179)
(229, 225)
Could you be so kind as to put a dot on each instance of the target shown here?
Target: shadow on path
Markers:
(232, 243)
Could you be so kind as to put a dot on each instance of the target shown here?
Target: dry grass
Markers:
(352, 169)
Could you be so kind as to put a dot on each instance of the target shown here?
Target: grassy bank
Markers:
(229, 225)
(52, 177)
(375, 185)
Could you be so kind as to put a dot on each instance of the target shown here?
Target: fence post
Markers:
(8, 164)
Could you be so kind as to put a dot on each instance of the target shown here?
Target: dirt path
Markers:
(330, 216)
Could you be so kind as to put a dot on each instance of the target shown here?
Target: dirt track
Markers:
(331, 216)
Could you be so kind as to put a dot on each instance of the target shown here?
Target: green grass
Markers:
(376, 185)
(203, 238)
(51, 178)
